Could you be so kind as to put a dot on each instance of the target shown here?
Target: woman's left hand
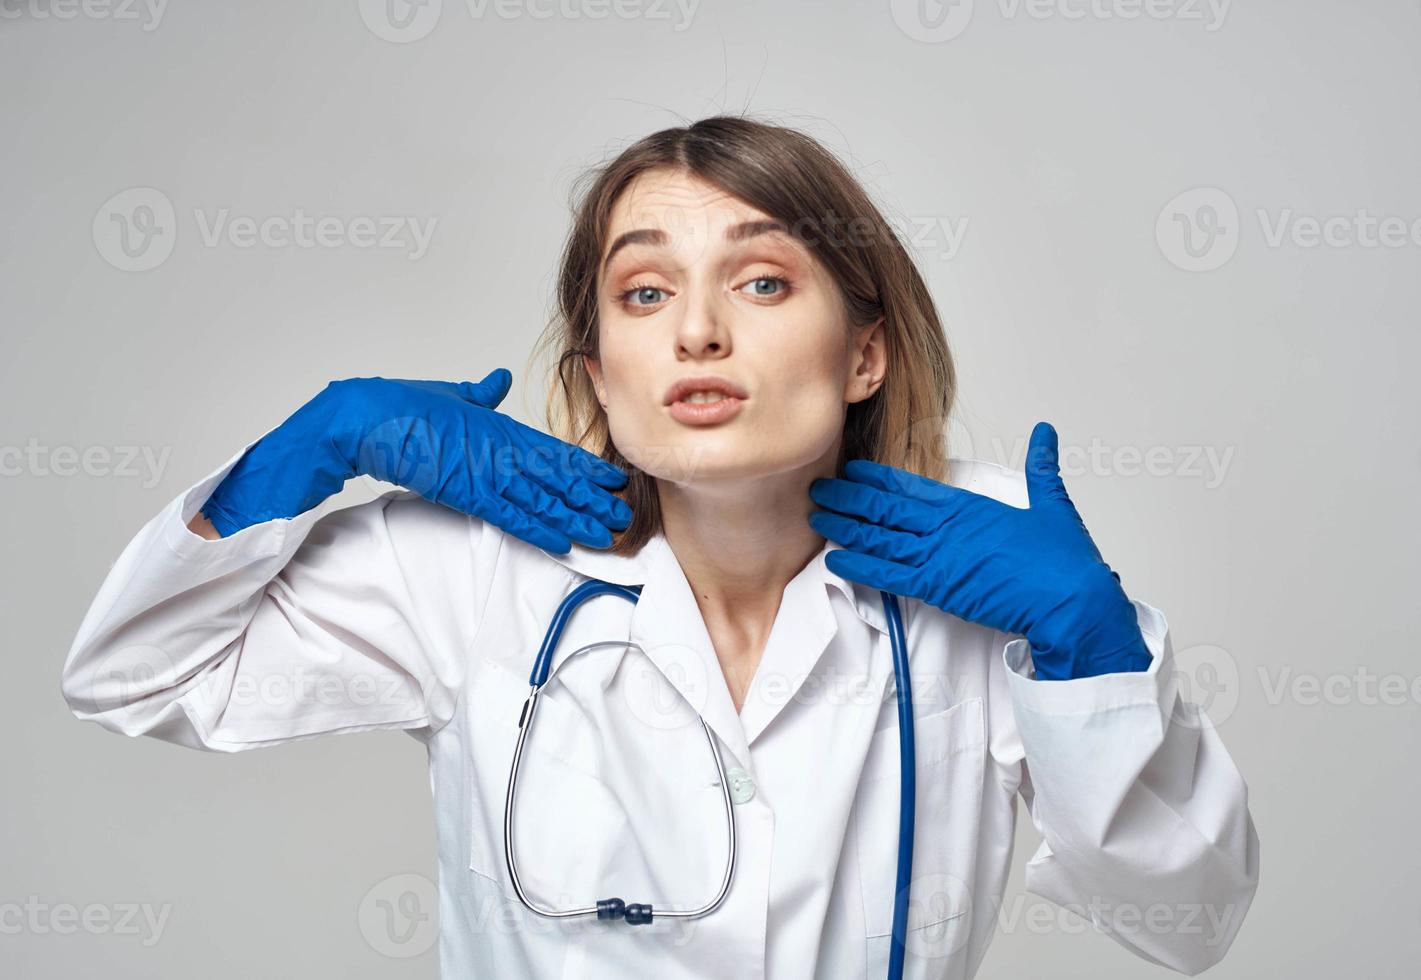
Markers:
(1035, 571)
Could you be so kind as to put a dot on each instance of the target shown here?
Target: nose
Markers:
(702, 332)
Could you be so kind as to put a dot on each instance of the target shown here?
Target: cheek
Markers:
(806, 402)
(619, 364)
(809, 362)
(629, 389)
(809, 400)
(811, 407)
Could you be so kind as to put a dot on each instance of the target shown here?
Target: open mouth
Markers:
(705, 407)
(705, 399)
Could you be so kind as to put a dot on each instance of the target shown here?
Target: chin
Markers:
(687, 465)
(687, 455)
(711, 469)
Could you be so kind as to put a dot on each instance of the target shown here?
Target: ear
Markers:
(869, 361)
(594, 371)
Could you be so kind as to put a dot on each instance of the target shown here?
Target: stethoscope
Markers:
(613, 909)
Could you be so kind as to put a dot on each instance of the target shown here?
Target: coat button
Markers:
(742, 787)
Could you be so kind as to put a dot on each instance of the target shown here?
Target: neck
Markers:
(739, 552)
(739, 543)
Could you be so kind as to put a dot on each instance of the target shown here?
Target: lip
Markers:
(707, 413)
(704, 382)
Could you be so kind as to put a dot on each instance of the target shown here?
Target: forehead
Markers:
(678, 203)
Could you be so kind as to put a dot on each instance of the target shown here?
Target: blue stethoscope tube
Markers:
(907, 793)
(907, 783)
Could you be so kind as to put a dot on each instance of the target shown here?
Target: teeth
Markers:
(702, 397)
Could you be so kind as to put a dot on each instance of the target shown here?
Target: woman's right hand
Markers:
(441, 439)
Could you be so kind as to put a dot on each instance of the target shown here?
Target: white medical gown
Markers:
(399, 613)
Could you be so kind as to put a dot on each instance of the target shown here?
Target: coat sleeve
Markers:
(332, 621)
(1144, 815)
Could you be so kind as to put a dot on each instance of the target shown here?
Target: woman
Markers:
(758, 368)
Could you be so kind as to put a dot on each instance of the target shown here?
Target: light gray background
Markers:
(1060, 141)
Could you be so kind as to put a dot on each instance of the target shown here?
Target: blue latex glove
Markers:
(1033, 572)
(442, 440)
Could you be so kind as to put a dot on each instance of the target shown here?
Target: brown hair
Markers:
(791, 177)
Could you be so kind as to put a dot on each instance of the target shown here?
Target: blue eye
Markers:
(644, 297)
(640, 292)
(781, 283)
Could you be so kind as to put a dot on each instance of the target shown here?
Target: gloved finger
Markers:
(533, 499)
(590, 500)
(874, 572)
(869, 539)
(904, 483)
(874, 505)
(489, 392)
(563, 470)
(1043, 467)
(521, 525)
(561, 465)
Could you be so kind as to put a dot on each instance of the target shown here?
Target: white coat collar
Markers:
(656, 554)
(667, 623)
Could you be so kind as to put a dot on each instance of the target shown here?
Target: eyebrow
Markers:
(742, 232)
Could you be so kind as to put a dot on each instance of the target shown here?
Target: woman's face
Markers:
(695, 283)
